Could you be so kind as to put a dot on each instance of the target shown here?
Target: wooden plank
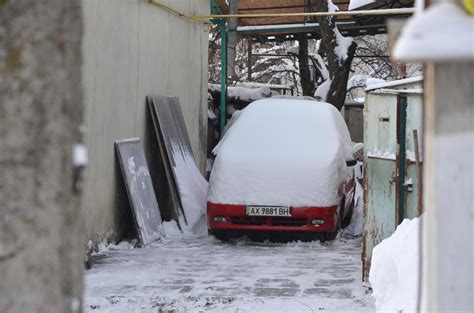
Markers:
(140, 190)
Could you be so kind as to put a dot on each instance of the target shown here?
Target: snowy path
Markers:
(194, 275)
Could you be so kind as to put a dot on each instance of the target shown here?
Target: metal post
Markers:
(223, 75)
(402, 160)
(249, 60)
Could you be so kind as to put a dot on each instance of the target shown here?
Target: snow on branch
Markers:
(343, 43)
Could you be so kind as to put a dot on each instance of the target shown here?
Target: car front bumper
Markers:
(233, 217)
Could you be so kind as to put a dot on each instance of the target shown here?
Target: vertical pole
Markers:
(402, 151)
(223, 75)
(249, 60)
(419, 172)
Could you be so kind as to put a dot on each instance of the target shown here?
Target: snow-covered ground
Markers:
(203, 274)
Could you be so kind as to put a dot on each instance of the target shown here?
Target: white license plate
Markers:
(251, 210)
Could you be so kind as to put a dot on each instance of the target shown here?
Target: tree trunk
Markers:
(41, 254)
(307, 84)
(339, 68)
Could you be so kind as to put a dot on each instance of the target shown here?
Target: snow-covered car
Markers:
(284, 166)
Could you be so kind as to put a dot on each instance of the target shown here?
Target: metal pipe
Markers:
(419, 172)
(177, 13)
(198, 18)
(401, 11)
(249, 60)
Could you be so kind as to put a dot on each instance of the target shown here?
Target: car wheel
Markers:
(220, 235)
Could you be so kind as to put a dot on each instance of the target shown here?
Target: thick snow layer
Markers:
(417, 80)
(394, 270)
(192, 188)
(282, 152)
(205, 275)
(354, 4)
(442, 32)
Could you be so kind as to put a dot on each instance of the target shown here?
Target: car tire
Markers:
(220, 235)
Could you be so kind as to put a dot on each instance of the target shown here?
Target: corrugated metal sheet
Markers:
(172, 135)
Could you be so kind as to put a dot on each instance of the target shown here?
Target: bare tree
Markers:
(307, 84)
(339, 52)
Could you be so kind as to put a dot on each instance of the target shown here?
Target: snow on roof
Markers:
(397, 83)
(442, 32)
(282, 152)
(361, 80)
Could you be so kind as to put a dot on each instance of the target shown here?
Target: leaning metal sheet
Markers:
(171, 129)
(140, 189)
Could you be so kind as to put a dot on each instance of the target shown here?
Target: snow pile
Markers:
(192, 188)
(394, 269)
(282, 152)
(442, 32)
(354, 4)
(104, 248)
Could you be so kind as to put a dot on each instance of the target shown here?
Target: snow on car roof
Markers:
(282, 152)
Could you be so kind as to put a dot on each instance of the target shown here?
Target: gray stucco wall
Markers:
(40, 112)
(133, 49)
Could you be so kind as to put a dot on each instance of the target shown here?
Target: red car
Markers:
(284, 167)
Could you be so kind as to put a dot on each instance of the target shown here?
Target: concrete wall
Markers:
(448, 187)
(133, 49)
(41, 250)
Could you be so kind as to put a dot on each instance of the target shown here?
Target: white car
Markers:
(284, 166)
